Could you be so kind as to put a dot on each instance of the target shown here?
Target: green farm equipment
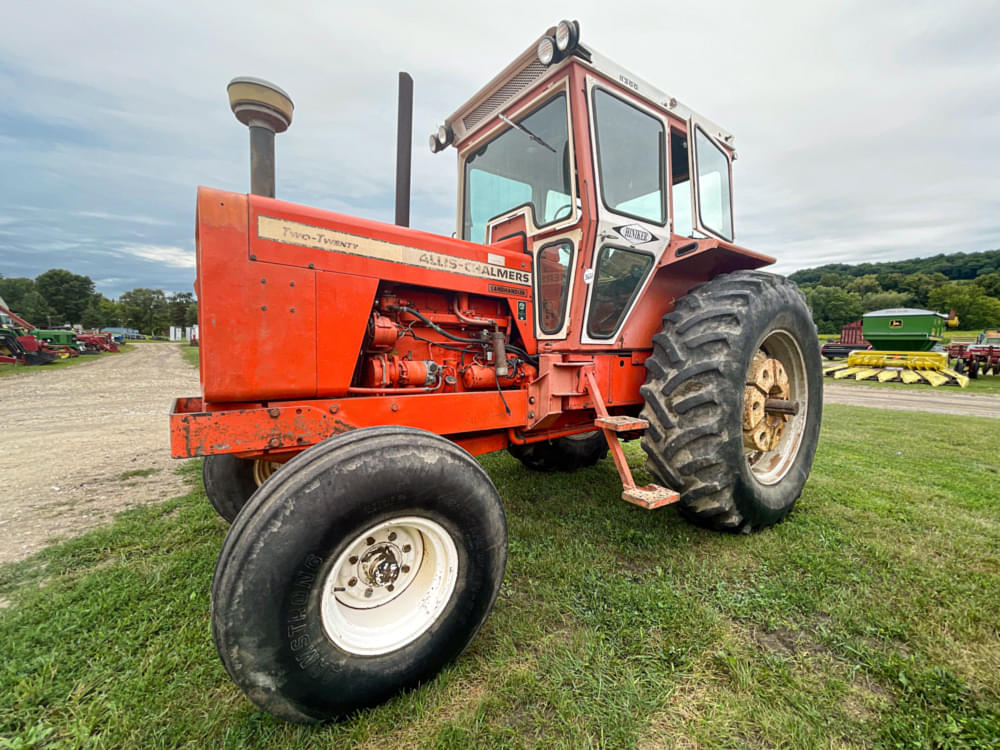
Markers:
(906, 348)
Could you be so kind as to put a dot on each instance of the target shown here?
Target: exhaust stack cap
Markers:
(259, 103)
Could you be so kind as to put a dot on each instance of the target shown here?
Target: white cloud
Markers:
(866, 130)
(134, 219)
(175, 257)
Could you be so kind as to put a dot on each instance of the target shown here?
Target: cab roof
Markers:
(526, 71)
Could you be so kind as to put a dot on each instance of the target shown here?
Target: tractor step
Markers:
(651, 496)
(621, 424)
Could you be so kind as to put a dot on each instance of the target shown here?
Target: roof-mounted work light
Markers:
(552, 49)
(567, 35)
(441, 139)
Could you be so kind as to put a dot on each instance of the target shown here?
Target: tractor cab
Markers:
(600, 175)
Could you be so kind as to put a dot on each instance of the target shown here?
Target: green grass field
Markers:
(190, 354)
(868, 619)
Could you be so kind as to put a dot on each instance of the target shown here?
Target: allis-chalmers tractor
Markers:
(351, 369)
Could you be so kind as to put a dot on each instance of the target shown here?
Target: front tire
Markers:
(359, 570)
(728, 346)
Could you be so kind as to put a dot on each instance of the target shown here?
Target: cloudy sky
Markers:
(866, 130)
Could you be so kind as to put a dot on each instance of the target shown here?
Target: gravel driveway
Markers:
(69, 434)
(936, 400)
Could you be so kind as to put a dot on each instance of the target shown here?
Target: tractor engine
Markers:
(432, 342)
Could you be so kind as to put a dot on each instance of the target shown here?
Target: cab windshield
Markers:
(530, 165)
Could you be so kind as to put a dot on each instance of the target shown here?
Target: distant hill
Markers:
(956, 266)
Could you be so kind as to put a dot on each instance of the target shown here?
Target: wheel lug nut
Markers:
(390, 587)
(405, 568)
(406, 548)
(392, 536)
(353, 582)
(354, 559)
(370, 541)
(368, 592)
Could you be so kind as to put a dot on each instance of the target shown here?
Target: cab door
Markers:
(548, 215)
(711, 181)
(629, 152)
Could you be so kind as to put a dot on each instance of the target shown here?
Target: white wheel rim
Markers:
(389, 586)
(770, 467)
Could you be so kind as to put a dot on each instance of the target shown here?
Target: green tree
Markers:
(66, 292)
(975, 309)
(14, 290)
(111, 313)
(920, 285)
(832, 307)
(94, 314)
(864, 285)
(990, 284)
(36, 310)
(884, 301)
(831, 279)
(146, 309)
(178, 304)
(891, 282)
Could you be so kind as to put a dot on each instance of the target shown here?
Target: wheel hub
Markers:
(766, 379)
(380, 566)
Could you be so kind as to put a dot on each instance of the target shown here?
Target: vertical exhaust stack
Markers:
(404, 137)
(266, 110)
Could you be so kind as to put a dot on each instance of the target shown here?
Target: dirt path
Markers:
(937, 400)
(70, 434)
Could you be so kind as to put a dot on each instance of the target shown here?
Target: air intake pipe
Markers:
(266, 110)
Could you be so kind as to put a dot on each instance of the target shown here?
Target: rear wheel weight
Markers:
(385, 507)
(728, 346)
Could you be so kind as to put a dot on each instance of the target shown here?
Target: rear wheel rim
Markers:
(771, 466)
(389, 585)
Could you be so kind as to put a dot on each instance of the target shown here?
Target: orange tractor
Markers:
(351, 369)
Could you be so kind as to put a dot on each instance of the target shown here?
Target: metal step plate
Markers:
(651, 496)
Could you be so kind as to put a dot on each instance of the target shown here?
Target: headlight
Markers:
(435, 146)
(444, 135)
(567, 35)
(546, 50)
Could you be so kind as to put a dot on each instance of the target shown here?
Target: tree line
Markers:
(968, 283)
(59, 297)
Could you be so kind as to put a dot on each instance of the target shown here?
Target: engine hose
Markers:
(516, 349)
(435, 326)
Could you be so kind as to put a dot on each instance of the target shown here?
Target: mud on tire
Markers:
(695, 392)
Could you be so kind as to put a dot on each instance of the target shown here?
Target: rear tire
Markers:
(305, 615)
(230, 481)
(562, 454)
(698, 385)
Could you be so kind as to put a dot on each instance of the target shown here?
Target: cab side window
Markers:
(631, 158)
(552, 277)
(620, 273)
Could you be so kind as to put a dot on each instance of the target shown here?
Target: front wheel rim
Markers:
(389, 585)
(263, 469)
